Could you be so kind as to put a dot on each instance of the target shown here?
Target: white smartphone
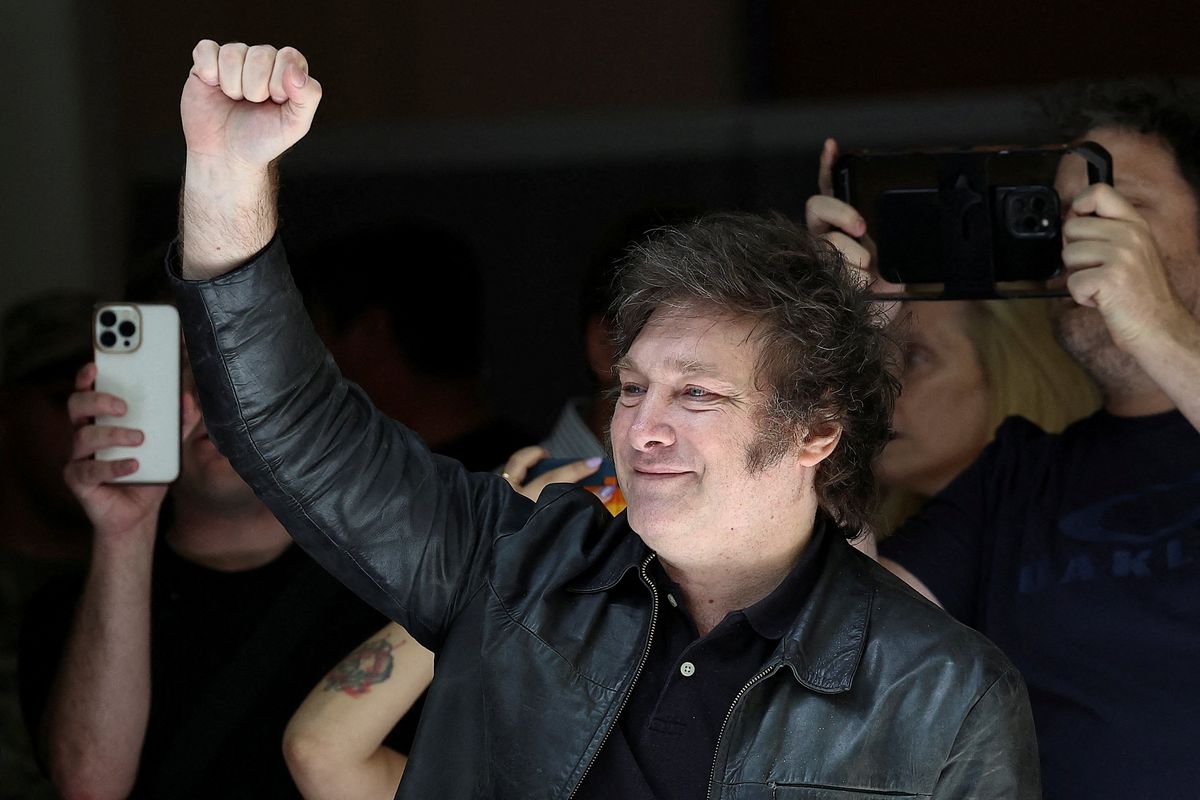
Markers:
(137, 354)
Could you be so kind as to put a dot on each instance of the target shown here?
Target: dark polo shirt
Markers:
(663, 745)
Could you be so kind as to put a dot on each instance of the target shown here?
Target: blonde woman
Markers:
(968, 365)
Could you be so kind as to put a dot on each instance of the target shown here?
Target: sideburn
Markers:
(775, 438)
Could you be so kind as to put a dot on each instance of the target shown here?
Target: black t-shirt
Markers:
(233, 655)
(1079, 555)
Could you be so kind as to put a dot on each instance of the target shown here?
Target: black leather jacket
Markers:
(874, 692)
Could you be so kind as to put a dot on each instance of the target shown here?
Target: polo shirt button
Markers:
(687, 669)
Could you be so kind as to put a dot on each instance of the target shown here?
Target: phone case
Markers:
(137, 354)
(967, 219)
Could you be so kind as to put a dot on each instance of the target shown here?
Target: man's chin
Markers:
(1082, 333)
(1080, 330)
(651, 521)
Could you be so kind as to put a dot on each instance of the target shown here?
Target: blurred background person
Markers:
(43, 531)
(402, 314)
(242, 624)
(171, 668)
(967, 366)
(1076, 552)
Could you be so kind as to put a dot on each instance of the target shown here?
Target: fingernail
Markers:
(127, 466)
(594, 462)
(120, 407)
(138, 437)
(300, 78)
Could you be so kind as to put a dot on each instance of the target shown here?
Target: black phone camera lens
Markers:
(108, 319)
(108, 338)
(127, 328)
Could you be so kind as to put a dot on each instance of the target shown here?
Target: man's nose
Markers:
(652, 427)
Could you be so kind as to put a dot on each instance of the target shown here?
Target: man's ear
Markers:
(817, 444)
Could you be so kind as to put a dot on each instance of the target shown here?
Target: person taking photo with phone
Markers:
(171, 668)
(1079, 553)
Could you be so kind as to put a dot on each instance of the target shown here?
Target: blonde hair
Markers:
(1026, 373)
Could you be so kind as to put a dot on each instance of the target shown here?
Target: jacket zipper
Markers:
(636, 674)
(766, 673)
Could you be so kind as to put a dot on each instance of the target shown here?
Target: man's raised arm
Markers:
(408, 532)
(242, 107)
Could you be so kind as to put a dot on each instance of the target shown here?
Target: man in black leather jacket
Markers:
(720, 639)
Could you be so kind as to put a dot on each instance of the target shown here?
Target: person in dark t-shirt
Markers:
(208, 625)
(171, 668)
(1079, 553)
(233, 653)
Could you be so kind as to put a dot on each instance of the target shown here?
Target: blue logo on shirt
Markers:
(1152, 514)
(1136, 535)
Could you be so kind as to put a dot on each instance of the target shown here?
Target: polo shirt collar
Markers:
(772, 616)
(825, 639)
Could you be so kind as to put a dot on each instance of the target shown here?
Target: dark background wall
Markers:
(530, 127)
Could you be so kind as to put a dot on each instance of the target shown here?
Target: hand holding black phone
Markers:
(964, 220)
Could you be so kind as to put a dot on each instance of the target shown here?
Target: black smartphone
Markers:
(965, 220)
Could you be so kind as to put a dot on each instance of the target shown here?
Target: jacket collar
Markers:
(824, 644)
(627, 552)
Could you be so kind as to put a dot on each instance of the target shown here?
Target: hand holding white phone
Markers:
(137, 355)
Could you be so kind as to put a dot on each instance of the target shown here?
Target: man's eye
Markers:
(631, 389)
(696, 393)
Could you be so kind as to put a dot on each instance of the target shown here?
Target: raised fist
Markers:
(246, 105)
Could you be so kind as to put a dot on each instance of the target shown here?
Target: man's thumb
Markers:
(303, 91)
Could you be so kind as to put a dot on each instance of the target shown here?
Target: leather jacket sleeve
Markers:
(995, 752)
(409, 532)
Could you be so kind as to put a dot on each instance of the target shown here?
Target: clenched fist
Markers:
(246, 105)
(242, 107)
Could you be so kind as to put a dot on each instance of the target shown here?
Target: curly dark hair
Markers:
(1154, 106)
(824, 358)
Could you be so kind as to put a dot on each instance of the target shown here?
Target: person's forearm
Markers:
(333, 744)
(227, 213)
(99, 705)
(319, 777)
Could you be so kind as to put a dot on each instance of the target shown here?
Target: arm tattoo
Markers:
(369, 664)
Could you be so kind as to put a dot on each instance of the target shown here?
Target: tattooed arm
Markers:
(334, 742)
